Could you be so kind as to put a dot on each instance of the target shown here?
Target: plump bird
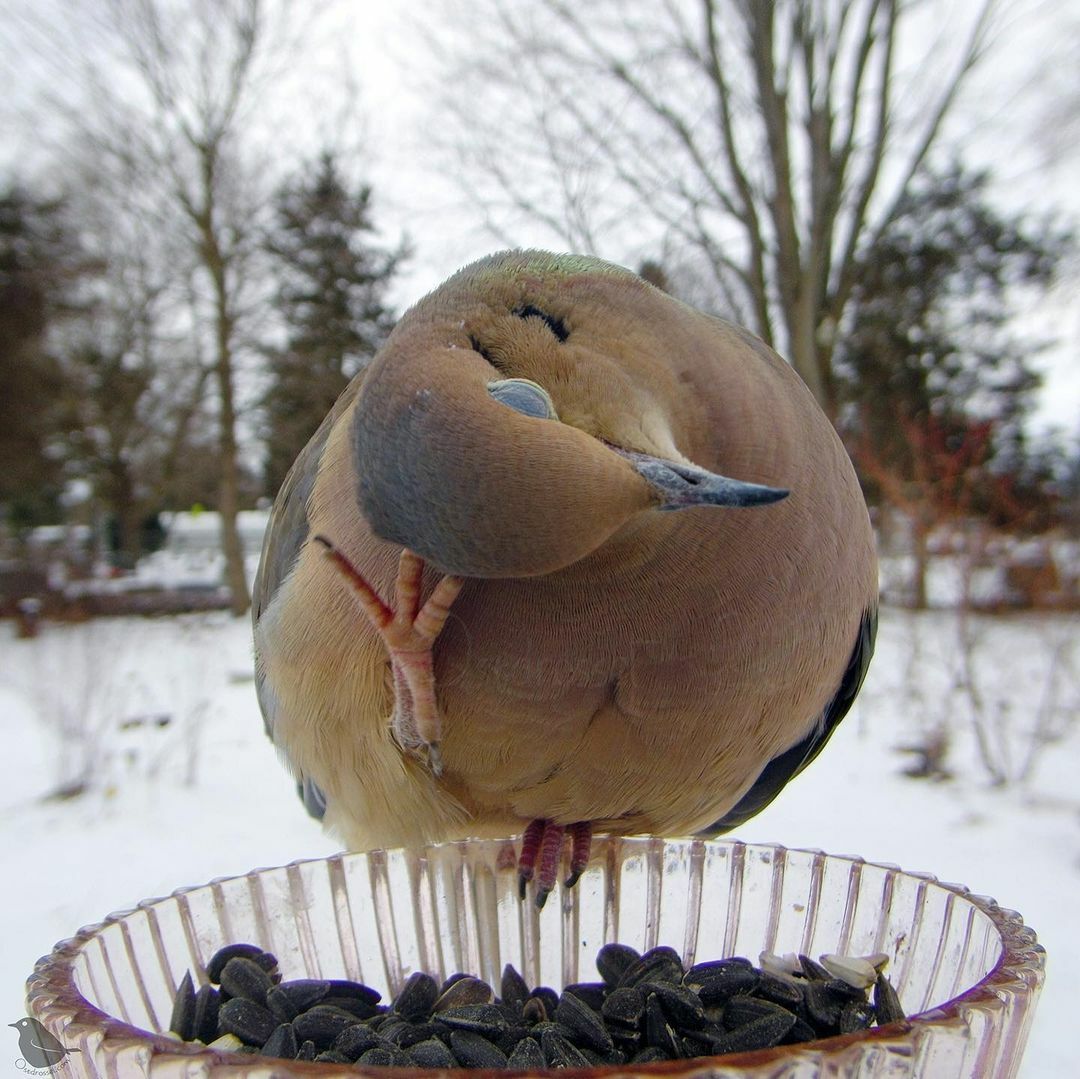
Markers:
(566, 555)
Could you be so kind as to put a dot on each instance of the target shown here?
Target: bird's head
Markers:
(523, 413)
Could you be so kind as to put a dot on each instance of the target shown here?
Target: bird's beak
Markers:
(681, 485)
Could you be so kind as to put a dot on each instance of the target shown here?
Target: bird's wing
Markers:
(780, 770)
(285, 535)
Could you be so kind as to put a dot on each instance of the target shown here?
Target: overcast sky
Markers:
(1016, 119)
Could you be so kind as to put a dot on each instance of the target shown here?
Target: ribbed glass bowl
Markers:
(968, 972)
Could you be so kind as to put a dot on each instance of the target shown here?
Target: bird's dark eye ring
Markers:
(524, 396)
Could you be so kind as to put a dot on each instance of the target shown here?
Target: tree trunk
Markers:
(229, 496)
(922, 560)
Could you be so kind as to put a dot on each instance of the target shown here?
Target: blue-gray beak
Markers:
(681, 486)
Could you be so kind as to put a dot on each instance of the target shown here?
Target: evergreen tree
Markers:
(332, 283)
(935, 380)
(41, 263)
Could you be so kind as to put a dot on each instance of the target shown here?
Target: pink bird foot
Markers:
(409, 632)
(541, 852)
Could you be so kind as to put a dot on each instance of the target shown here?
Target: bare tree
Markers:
(769, 142)
(166, 103)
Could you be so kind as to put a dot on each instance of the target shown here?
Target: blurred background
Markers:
(212, 213)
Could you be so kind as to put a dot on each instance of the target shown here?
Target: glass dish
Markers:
(968, 972)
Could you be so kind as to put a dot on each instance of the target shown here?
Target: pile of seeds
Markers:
(646, 1008)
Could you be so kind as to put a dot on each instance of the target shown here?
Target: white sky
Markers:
(1004, 124)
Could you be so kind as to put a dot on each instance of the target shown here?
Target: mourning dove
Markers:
(566, 555)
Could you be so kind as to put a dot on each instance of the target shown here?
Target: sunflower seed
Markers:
(250, 1022)
(357, 1039)
(658, 1031)
(681, 1005)
(475, 1051)
(288, 999)
(231, 951)
(322, 1024)
(242, 977)
(282, 1043)
(853, 969)
(207, 1004)
(433, 1054)
(626, 1006)
(465, 990)
(513, 988)
(886, 1002)
(588, 1028)
(328, 1056)
(306, 1051)
(761, 1033)
(613, 960)
(480, 1018)
(559, 1052)
(592, 993)
(182, 1020)
(534, 1011)
(417, 996)
(343, 987)
(527, 1054)
(779, 990)
(656, 965)
(856, 1015)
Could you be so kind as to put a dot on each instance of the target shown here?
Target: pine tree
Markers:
(332, 283)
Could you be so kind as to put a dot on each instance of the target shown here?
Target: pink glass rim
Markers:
(54, 998)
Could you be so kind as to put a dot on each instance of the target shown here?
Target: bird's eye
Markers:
(524, 396)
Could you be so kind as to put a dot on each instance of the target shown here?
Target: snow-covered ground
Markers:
(202, 795)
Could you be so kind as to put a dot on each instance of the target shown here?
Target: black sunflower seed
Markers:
(322, 1024)
(433, 1054)
(288, 999)
(475, 1051)
(656, 965)
(485, 1019)
(343, 987)
(659, 1033)
(742, 1010)
(250, 1022)
(464, 990)
(588, 1028)
(282, 1043)
(649, 1055)
(723, 983)
(822, 1007)
(232, 951)
(613, 960)
(384, 1057)
(856, 1015)
(527, 1054)
(592, 993)
(205, 1021)
(843, 991)
(559, 1052)
(243, 977)
(417, 996)
(357, 1039)
(625, 1006)
(306, 1051)
(681, 1005)
(801, 1031)
(813, 969)
(328, 1056)
(361, 1009)
(182, 1020)
(761, 1033)
(513, 988)
(886, 1002)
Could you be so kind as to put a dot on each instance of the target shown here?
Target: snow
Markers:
(176, 803)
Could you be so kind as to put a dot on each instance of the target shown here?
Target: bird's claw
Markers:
(541, 853)
(409, 631)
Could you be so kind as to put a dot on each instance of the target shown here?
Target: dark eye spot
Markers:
(556, 325)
